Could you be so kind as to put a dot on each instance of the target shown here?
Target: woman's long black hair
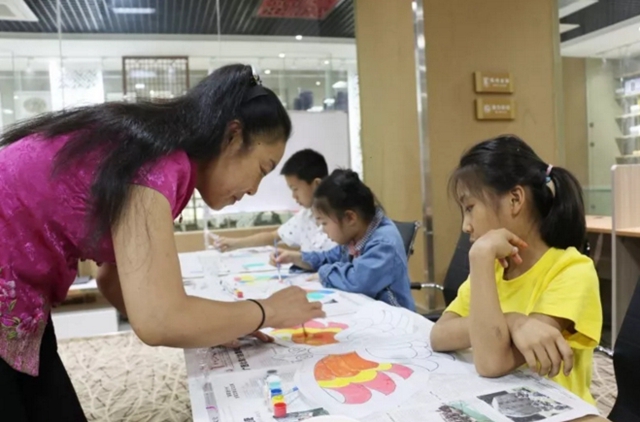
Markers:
(500, 164)
(128, 136)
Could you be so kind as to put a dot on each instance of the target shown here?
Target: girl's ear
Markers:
(350, 217)
(517, 197)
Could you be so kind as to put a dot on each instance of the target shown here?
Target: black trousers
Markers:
(47, 397)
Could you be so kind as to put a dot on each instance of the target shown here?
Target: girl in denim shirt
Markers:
(370, 258)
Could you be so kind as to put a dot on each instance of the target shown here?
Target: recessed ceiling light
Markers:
(299, 37)
(340, 85)
(281, 55)
(134, 10)
(267, 72)
(139, 86)
(318, 83)
(326, 62)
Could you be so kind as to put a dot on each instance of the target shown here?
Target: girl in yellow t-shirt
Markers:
(531, 296)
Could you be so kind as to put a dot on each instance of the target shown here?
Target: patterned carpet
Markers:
(118, 378)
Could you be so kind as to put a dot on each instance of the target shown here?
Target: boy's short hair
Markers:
(306, 165)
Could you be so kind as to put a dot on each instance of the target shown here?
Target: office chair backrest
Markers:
(408, 232)
(458, 270)
(626, 364)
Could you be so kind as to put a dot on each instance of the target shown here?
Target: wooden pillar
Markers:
(518, 36)
(389, 117)
(576, 132)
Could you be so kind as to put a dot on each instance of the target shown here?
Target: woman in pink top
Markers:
(105, 183)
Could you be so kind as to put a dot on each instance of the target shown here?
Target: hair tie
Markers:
(255, 87)
(254, 91)
(549, 181)
(255, 79)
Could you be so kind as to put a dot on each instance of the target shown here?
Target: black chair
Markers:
(457, 273)
(626, 364)
(408, 232)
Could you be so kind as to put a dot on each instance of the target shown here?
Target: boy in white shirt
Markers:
(303, 172)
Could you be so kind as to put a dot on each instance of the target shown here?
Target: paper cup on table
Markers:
(331, 418)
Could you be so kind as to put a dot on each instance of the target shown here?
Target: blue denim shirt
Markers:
(380, 271)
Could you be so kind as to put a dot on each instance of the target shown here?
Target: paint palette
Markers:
(253, 278)
(323, 295)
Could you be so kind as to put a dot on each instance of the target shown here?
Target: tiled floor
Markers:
(603, 385)
(118, 378)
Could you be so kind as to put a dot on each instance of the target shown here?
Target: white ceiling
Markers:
(567, 7)
(204, 52)
(613, 42)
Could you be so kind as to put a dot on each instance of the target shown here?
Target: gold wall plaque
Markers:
(494, 82)
(495, 108)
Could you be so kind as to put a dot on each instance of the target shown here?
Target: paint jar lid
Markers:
(280, 410)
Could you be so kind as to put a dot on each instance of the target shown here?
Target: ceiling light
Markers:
(317, 83)
(134, 10)
(7, 111)
(267, 72)
(139, 86)
(340, 85)
(326, 62)
(299, 37)
(281, 55)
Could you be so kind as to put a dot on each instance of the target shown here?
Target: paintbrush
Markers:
(275, 247)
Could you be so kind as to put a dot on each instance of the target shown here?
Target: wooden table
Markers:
(616, 254)
(604, 224)
(599, 224)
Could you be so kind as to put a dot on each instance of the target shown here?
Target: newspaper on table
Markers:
(241, 397)
(251, 356)
(521, 397)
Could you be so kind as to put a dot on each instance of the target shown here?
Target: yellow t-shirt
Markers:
(562, 284)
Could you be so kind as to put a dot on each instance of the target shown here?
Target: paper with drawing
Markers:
(261, 285)
(248, 261)
(365, 365)
(371, 323)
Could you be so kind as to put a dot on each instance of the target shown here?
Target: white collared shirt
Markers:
(302, 231)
